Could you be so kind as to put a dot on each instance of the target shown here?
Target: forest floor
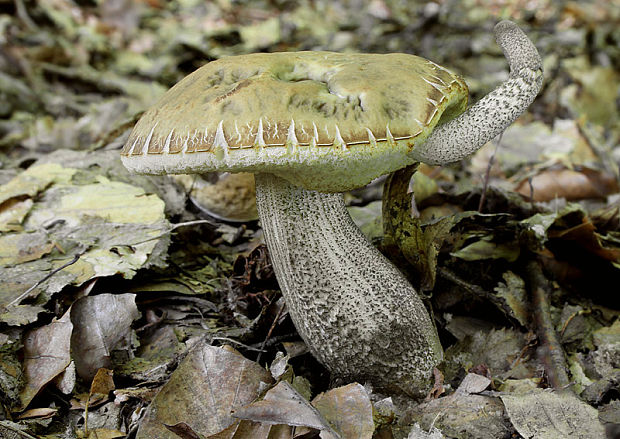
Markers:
(127, 310)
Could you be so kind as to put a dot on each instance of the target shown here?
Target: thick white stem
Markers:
(356, 312)
(491, 115)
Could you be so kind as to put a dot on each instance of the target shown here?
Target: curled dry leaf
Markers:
(183, 431)
(344, 412)
(46, 355)
(255, 430)
(208, 384)
(587, 238)
(514, 294)
(283, 405)
(473, 383)
(348, 410)
(39, 413)
(103, 382)
(101, 324)
(569, 184)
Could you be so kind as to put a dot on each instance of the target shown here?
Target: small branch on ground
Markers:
(551, 349)
(46, 277)
(487, 175)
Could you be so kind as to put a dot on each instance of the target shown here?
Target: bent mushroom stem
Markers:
(491, 115)
(356, 312)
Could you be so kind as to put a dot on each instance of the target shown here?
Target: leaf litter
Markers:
(80, 237)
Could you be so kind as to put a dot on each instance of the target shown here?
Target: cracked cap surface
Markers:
(322, 120)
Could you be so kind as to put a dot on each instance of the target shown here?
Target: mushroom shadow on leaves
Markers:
(311, 125)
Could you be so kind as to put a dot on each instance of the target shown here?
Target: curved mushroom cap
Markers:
(322, 120)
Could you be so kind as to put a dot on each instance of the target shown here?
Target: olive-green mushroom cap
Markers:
(322, 120)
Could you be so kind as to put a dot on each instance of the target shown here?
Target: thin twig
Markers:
(472, 289)
(172, 229)
(551, 349)
(487, 175)
(531, 186)
(230, 340)
(22, 13)
(273, 325)
(50, 274)
(278, 339)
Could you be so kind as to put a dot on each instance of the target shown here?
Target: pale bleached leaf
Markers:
(545, 414)
(102, 324)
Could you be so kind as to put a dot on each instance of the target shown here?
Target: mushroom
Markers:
(311, 125)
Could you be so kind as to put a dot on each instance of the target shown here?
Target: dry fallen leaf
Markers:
(473, 383)
(514, 294)
(46, 355)
(208, 384)
(569, 184)
(184, 431)
(551, 415)
(101, 324)
(39, 413)
(283, 405)
(461, 415)
(254, 430)
(104, 433)
(418, 433)
(344, 412)
(226, 196)
(103, 382)
(62, 225)
(348, 410)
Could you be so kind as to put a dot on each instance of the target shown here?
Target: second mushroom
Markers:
(311, 125)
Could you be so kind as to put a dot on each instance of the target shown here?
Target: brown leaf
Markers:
(183, 431)
(585, 236)
(438, 388)
(208, 384)
(569, 184)
(103, 383)
(104, 433)
(348, 410)
(39, 413)
(461, 415)
(283, 405)
(254, 430)
(81, 401)
(46, 355)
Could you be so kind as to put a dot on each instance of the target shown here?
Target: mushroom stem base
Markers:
(356, 312)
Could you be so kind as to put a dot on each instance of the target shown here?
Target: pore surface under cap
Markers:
(326, 121)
